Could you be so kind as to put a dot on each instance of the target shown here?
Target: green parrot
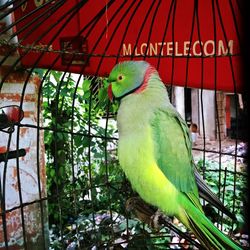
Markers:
(154, 150)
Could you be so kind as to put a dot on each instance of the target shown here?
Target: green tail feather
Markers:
(208, 234)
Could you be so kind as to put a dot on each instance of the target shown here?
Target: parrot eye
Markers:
(120, 77)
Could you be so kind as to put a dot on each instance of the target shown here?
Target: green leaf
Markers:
(86, 95)
(86, 85)
(57, 75)
(78, 141)
(61, 171)
(52, 172)
(240, 218)
(105, 82)
(215, 189)
(102, 96)
(65, 92)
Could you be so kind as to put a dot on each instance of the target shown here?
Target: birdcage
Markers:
(61, 185)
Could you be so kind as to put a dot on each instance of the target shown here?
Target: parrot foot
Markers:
(156, 219)
(159, 219)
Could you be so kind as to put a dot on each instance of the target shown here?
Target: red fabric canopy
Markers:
(192, 43)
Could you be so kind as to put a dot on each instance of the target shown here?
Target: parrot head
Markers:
(126, 77)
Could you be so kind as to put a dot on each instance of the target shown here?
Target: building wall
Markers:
(178, 100)
(203, 109)
(21, 211)
(221, 130)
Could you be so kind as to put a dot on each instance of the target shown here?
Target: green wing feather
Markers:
(173, 152)
(163, 124)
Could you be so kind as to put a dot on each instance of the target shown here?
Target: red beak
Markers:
(110, 93)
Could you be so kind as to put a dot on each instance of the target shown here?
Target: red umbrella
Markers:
(192, 43)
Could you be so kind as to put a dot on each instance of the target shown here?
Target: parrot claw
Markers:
(159, 219)
(156, 218)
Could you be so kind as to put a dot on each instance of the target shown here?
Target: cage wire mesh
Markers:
(61, 184)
